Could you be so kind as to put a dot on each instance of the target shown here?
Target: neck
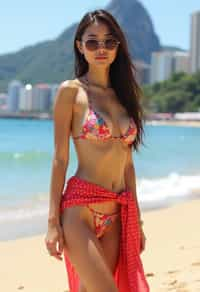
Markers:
(99, 78)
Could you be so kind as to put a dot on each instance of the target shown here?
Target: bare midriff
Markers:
(102, 163)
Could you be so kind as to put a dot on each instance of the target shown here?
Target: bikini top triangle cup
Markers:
(96, 128)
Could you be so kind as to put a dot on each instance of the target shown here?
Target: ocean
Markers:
(167, 169)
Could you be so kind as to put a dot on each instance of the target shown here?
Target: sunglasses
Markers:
(93, 45)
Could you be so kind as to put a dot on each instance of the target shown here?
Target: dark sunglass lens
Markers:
(111, 44)
(91, 45)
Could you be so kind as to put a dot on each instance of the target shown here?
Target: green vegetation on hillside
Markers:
(180, 93)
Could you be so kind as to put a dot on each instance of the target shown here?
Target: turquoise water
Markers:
(167, 167)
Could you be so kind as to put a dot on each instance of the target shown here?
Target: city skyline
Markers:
(163, 64)
(29, 25)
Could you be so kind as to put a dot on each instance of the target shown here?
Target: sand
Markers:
(171, 258)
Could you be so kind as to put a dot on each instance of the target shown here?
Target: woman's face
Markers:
(101, 56)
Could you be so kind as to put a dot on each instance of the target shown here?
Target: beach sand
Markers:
(171, 259)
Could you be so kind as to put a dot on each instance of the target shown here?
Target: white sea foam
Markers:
(150, 192)
(18, 155)
(22, 213)
(172, 187)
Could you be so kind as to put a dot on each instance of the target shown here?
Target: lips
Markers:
(101, 57)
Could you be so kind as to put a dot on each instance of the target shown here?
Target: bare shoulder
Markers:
(81, 99)
(66, 93)
(67, 88)
(72, 83)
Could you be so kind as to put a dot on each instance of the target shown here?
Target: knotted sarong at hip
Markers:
(129, 273)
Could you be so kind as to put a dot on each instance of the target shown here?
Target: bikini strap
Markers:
(98, 213)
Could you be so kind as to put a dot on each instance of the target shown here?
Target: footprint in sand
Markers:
(179, 286)
(150, 274)
(20, 287)
(196, 264)
(173, 271)
(173, 282)
(181, 247)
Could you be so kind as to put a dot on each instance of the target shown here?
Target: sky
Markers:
(25, 22)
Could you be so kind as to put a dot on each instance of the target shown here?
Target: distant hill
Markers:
(52, 61)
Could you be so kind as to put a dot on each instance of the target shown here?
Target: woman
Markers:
(96, 221)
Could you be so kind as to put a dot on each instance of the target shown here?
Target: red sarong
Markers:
(129, 274)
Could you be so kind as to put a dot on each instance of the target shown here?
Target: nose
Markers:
(101, 50)
(101, 46)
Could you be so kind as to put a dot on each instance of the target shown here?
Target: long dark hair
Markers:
(122, 70)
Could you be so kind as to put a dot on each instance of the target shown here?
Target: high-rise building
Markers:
(54, 89)
(162, 66)
(14, 88)
(181, 62)
(165, 63)
(195, 42)
(25, 100)
(41, 97)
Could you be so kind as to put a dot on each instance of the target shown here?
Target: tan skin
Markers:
(106, 163)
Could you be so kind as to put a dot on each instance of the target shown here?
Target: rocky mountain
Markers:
(52, 61)
(137, 25)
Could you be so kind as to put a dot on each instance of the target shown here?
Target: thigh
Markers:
(86, 253)
(110, 243)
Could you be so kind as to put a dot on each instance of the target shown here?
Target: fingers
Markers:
(53, 250)
(57, 255)
(60, 245)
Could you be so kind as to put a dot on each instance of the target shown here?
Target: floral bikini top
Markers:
(96, 128)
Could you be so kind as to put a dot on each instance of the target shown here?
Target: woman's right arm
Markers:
(62, 116)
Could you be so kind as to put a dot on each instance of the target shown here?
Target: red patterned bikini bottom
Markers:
(102, 222)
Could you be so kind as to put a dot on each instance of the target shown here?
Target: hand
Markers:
(54, 241)
(142, 240)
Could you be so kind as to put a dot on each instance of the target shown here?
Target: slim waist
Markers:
(79, 191)
(81, 182)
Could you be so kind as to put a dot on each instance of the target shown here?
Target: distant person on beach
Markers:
(94, 218)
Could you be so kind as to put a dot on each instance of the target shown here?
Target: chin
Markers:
(102, 63)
